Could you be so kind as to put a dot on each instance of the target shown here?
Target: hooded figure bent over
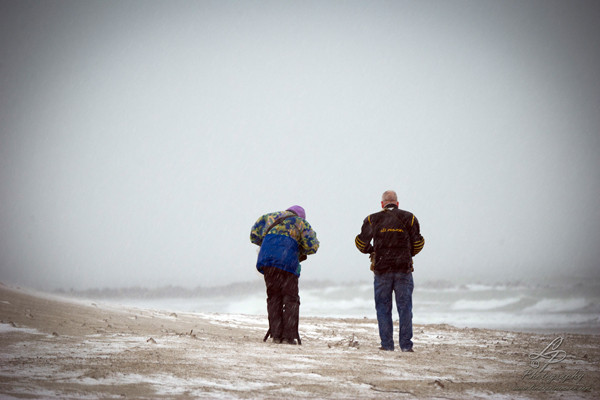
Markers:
(285, 238)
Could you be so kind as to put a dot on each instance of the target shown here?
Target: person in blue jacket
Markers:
(285, 238)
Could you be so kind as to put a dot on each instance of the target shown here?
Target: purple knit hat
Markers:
(298, 210)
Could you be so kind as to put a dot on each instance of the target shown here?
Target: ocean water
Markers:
(563, 307)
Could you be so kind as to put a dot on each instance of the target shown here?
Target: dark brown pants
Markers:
(283, 303)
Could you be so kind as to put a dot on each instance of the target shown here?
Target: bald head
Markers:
(389, 197)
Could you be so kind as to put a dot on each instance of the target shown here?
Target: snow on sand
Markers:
(52, 347)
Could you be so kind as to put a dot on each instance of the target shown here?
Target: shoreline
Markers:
(57, 347)
(572, 308)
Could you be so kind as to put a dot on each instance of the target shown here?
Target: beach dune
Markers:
(58, 347)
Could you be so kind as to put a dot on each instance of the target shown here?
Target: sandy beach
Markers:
(58, 347)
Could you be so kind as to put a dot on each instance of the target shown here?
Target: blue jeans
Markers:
(402, 286)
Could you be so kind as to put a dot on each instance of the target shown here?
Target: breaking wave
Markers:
(511, 306)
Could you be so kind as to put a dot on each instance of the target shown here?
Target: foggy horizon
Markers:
(140, 141)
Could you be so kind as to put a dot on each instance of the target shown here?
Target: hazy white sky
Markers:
(140, 140)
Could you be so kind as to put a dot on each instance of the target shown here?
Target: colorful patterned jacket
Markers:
(285, 242)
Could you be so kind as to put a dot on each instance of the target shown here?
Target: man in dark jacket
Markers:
(396, 239)
(285, 238)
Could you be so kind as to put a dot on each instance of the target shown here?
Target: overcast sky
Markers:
(141, 140)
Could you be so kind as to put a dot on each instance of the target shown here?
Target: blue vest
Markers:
(279, 251)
